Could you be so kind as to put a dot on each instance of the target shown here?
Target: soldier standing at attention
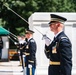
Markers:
(1, 46)
(18, 49)
(58, 51)
(22, 47)
(30, 52)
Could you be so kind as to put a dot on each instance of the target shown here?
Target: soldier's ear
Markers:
(58, 24)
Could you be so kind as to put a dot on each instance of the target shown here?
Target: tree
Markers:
(26, 7)
(11, 20)
(55, 5)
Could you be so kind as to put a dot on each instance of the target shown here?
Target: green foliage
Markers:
(26, 7)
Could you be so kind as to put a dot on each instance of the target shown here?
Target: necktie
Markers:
(54, 38)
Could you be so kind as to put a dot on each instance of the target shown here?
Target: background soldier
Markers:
(21, 48)
(30, 52)
(1, 46)
(18, 49)
(59, 50)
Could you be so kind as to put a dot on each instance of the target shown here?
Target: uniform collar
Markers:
(29, 38)
(58, 34)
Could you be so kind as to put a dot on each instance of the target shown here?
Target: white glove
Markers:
(19, 52)
(29, 66)
(23, 55)
(47, 40)
(15, 43)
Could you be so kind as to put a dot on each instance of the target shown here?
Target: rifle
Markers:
(25, 20)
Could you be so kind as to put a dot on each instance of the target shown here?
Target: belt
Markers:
(54, 63)
(26, 53)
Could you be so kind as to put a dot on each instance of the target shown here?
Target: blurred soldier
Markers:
(59, 50)
(30, 52)
(24, 55)
(1, 46)
(20, 49)
(17, 44)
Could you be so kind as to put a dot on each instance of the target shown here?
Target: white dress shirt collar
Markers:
(57, 34)
(29, 38)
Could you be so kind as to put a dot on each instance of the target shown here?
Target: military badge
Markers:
(54, 48)
(32, 40)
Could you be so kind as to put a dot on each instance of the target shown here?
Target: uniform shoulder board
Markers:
(64, 38)
(32, 40)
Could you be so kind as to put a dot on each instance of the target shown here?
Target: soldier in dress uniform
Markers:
(30, 52)
(58, 51)
(1, 46)
(21, 49)
(18, 49)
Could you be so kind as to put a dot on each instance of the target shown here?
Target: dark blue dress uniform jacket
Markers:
(62, 54)
(31, 49)
(1, 44)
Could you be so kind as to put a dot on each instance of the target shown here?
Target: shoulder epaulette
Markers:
(63, 37)
(32, 40)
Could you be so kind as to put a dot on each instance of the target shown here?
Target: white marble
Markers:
(38, 22)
